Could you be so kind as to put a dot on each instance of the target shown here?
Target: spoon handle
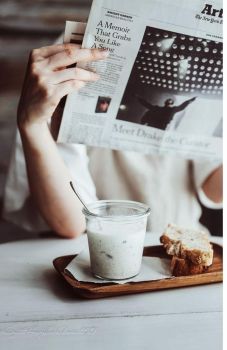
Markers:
(78, 196)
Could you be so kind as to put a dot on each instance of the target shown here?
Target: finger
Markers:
(74, 55)
(73, 74)
(68, 87)
(47, 51)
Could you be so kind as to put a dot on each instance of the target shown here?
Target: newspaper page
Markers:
(161, 88)
(74, 32)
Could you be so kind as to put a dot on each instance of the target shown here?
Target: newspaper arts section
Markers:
(161, 89)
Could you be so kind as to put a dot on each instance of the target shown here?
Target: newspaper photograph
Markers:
(161, 88)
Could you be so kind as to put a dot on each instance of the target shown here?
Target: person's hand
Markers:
(48, 80)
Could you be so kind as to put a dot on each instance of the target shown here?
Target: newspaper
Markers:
(161, 88)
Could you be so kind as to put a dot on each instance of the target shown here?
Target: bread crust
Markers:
(184, 267)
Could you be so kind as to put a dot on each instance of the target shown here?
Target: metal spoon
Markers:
(80, 199)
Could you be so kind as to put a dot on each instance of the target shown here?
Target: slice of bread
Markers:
(191, 249)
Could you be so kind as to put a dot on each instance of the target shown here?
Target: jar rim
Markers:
(143, 209)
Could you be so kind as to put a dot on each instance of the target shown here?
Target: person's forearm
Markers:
(47, 80)
(49, 182)
(144, 103)
(182, 107)
(213, 186)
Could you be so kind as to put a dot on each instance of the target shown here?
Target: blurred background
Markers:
(24, 25)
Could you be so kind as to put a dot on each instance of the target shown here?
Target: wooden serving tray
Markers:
(96, 290)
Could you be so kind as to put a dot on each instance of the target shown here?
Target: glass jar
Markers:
(116, 232)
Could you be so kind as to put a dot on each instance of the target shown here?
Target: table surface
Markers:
(38, 311)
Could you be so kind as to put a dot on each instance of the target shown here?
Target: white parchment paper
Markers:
(152, 269)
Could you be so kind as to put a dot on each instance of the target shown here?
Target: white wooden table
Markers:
(37, 311)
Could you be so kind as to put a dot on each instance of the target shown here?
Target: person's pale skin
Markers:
(47, 81)
(213, 186)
